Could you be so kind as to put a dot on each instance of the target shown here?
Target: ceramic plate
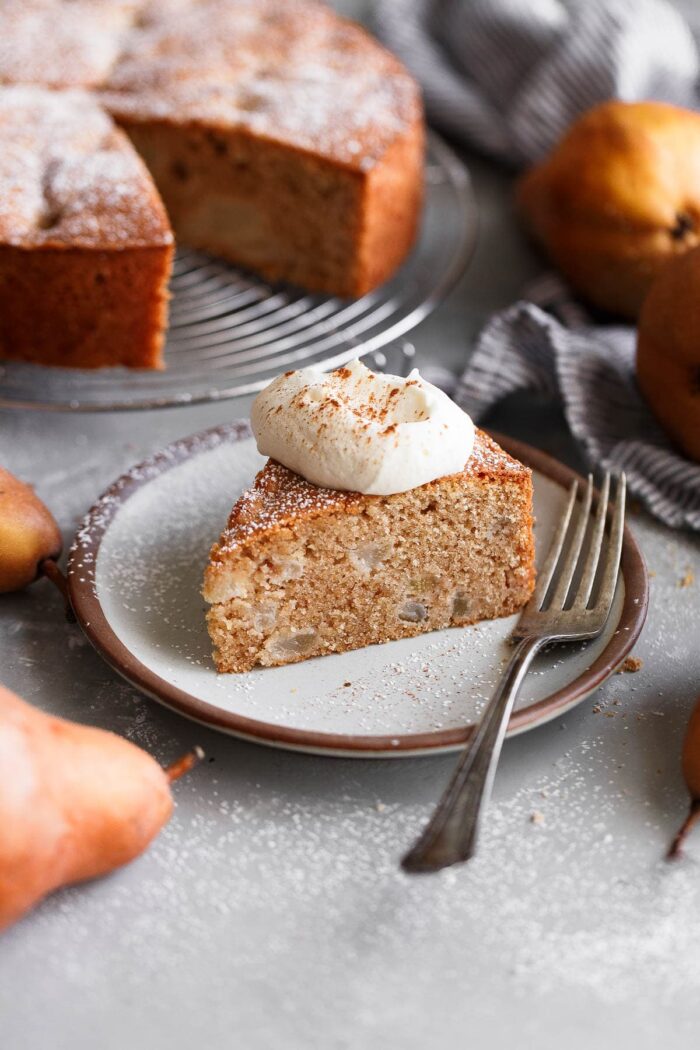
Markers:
(135, 574)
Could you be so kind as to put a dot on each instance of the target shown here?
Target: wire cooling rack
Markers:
(231, 332)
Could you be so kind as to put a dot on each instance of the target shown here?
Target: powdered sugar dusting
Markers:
(280, 497)
(62, 44)
(293, 72)
(67, 176)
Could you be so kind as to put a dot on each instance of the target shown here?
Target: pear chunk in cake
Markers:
(304, 569)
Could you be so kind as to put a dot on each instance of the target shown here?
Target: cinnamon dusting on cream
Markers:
(355, 430)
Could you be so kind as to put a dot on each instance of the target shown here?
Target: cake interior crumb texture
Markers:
(302, 571)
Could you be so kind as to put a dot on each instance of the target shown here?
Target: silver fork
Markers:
(553, 614)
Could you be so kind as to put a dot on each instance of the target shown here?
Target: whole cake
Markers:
(439, 535)
(278, 134)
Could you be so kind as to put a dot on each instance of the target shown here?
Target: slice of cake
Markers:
(85, 244)
(303, 570)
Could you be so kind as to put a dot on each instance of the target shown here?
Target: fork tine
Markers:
(544, 576)
(593, 556)
(612, 558)
(567, 573)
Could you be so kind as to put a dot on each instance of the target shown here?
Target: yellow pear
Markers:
(75, 802)
(616, 198)
(690, 762)
(668, 351)
(29, 534)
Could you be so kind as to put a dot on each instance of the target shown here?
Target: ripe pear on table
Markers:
(690, 762)
(617, 198)
(29, 535)
(75, 802)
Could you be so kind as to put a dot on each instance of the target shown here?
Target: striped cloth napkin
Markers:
(546, 343)
(509, 76)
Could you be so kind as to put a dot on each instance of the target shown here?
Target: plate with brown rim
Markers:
(135, 573)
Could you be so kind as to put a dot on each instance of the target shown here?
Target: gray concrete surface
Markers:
(271, 912)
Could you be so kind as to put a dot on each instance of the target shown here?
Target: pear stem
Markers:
(51, 571)
(676, 847)
(184, 764)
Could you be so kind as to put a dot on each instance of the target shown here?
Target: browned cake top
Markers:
(280, 497)
(291, 71)
(62, 43)
(69, 177)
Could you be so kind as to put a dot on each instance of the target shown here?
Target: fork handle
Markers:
(452, 832)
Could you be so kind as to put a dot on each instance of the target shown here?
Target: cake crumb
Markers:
(630, 664)
(536, 817)
(687, 580)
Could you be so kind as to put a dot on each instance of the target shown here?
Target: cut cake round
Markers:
(279, 135)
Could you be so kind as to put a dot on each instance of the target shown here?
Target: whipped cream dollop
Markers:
(362, 431)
